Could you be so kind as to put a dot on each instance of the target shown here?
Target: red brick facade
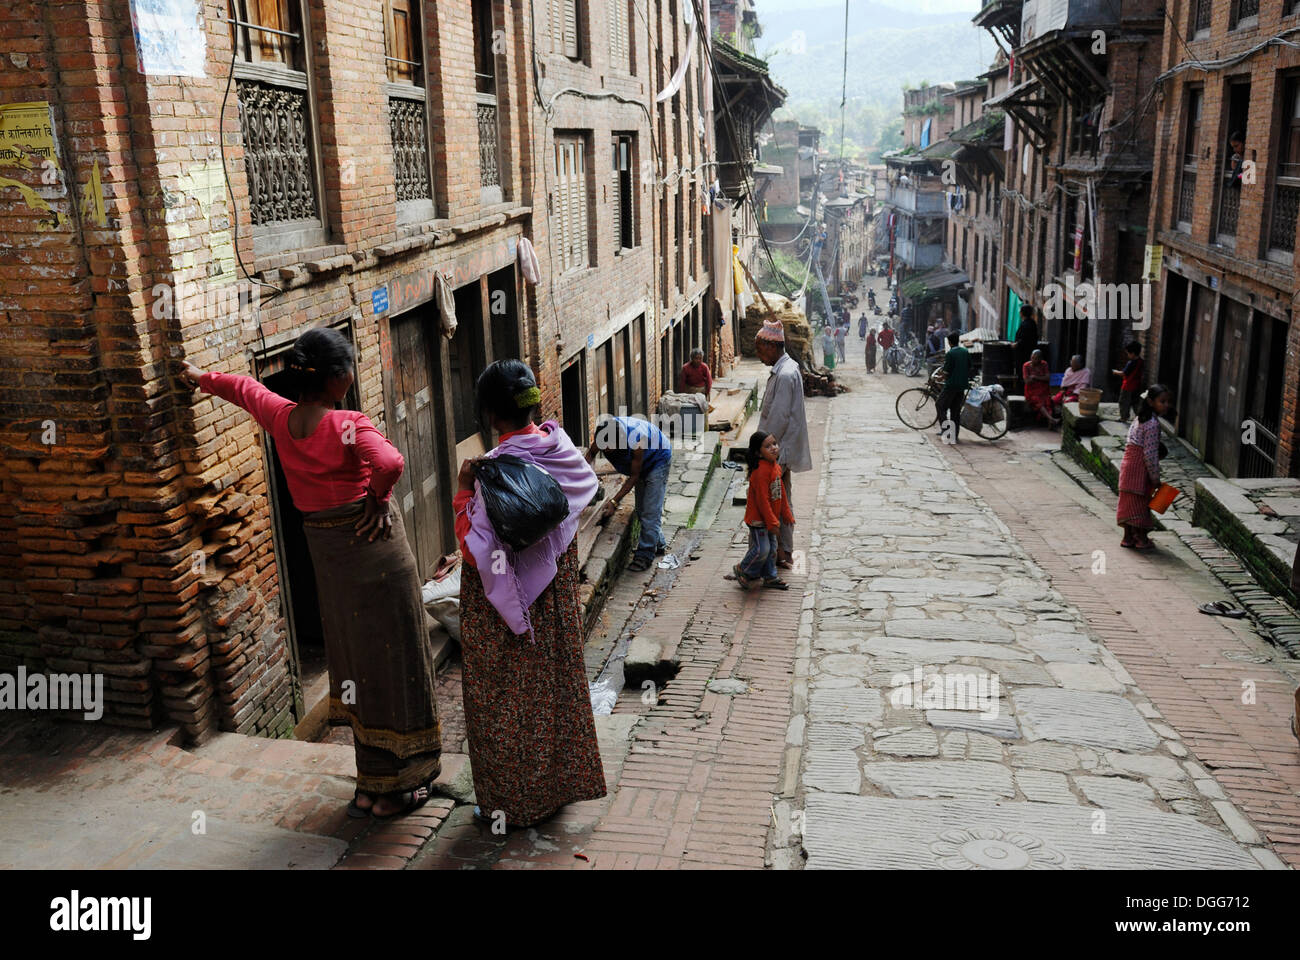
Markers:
(1222, 330)
(143, 535)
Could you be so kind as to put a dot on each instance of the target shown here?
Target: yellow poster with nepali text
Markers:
(27, 143)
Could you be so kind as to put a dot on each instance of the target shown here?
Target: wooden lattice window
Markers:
(275, 110)
(621, 196)
(1186, 202)
(408, 118)
(1286, 190)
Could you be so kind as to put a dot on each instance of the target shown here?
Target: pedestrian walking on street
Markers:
(871, 351)
(341, 471)
(841, 335)
(1139, 471)
(862, 327)
(828, 346)
(528, 717)
(640, 451)
(766, 508)
(783, 416)
(1130, 388)
(956, 381)
(886, 340)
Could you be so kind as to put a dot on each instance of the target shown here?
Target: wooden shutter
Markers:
(578, 209)
(561, 218)
(618, 35)
(570, 28)
(402, 43)
(616, 194)
(271, 46)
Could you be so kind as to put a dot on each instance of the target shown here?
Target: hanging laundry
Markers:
(676, 82)
(528, 264)
(446, 304)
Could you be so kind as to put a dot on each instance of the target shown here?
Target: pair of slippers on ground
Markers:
(1222, 608)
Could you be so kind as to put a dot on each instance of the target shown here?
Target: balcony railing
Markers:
(406, 118)
(277, 156)
(911, 200)
(489, 165)
(1282, 228)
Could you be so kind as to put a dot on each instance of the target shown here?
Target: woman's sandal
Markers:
(1144, 546)
(1221, 608)
(738, 575)
(358, 812)
(412, 800)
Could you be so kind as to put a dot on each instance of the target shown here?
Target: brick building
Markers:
(1079, 166)
(1222, 333)
(208, 188)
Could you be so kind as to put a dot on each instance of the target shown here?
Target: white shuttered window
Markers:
(569, 214)
(619, 47)
(564, 27)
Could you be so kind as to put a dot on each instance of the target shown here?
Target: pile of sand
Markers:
(798, 334)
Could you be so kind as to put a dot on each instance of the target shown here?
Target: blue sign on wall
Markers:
(591, 340)
(379, 299)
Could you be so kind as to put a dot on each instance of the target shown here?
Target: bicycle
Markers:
(918, 408)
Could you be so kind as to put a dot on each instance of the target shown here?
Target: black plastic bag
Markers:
(524, 502)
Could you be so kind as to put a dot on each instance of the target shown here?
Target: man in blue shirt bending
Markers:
(641, 452)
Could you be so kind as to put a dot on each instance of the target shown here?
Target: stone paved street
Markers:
(1069, 761)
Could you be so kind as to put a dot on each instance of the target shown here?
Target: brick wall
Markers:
(1241, 272)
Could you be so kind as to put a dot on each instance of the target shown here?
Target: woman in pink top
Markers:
(341, 470)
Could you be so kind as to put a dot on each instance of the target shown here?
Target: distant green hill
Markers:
(883, 58)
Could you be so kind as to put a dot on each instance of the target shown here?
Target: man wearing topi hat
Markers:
(783, 417)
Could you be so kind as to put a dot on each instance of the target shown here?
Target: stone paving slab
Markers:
(974, 835)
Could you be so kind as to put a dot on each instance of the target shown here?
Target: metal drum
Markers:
(999, 360)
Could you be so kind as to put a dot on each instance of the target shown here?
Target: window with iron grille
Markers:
(1185, 206)
(1202, 12)
(1286, 188)
(622, 197)
(274, 89)
(569, 203)
(1245, 13)
(407, 109)
(565, 38)
(491, 179)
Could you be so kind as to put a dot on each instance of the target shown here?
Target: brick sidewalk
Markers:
(1144, 608)
(702, 769)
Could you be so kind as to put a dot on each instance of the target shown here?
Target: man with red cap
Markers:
(783, 416)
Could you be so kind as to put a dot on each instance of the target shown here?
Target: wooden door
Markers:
(412, 419)
(622, 382)
(638, 381)
(604, 386)
(1230, 387)
(1195, 407)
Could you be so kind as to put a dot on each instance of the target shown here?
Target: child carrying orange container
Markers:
(765, 508)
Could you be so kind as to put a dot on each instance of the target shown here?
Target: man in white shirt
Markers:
(783, 416)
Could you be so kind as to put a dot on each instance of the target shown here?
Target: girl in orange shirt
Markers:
(765, 508)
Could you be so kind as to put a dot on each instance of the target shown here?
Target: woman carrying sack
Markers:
(341, 470)
(532, 735)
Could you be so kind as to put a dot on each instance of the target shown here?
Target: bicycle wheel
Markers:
(1001, 421)
(914, 365)
(917, 409)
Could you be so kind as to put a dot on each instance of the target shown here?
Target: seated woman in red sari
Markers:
(1038, 392)
(341, 471)
(1139, 471)
(532, 734)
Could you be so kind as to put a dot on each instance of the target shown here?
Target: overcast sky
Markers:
(918, 6)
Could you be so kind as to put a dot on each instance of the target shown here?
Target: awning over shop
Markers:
(933, 284)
